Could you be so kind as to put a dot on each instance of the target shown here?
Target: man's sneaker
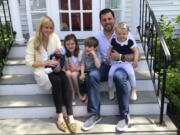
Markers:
(123, 123)
(111, 94)
(89, 123)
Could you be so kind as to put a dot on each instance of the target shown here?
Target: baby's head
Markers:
(121, 30)
(91, 44)
(61, 51)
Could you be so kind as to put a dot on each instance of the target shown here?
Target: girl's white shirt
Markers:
(75, 60)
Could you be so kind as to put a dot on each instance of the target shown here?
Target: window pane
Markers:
(75, 4)
(63, 4)
(113, 4)
(76, 24)
(64, 21)
(87, 4)
(117, 14)
(38, 5)
(87, 19)
(35, 18)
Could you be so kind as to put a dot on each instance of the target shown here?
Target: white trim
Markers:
(15, 16)
(53, 14)
(135, 18)
(123, 9)
(29, 18)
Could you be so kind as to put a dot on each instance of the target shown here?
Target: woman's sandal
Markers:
(62, 126)
(72, 127)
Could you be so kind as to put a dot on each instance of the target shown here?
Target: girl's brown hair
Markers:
(76, 51)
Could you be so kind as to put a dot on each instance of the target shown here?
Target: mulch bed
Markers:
(174, 113)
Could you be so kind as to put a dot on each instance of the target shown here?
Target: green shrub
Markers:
(173, 73)
(6, 39)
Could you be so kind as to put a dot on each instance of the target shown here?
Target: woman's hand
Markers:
(58, 68)
(51, 63)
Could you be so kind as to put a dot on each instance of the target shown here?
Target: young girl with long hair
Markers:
(72, 63)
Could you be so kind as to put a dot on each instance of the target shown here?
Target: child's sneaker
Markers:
(111, 94)
(133, 94)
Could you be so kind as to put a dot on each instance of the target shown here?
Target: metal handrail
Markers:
(6, 31)
(156, 51)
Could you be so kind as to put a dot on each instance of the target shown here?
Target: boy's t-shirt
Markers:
(88, 60)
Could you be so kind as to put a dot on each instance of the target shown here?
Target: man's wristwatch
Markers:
(122, 57)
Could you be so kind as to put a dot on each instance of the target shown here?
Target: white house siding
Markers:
(169, 8)
(2, 13)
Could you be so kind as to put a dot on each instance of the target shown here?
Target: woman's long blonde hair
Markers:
(44, 20)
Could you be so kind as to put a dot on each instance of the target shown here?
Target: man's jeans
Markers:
(120, 80)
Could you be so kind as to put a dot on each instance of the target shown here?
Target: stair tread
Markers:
(21, 61)
(45, 100)
(138, 126)
(19, 68)
(29, 79)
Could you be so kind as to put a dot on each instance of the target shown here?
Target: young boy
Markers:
(59, 56)
(90, 60)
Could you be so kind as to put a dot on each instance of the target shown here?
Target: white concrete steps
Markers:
(42, 106)
(139, 125)
(15, 69)
(18, 51)
(26, 85)
(34, 89)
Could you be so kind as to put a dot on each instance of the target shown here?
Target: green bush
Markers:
(6, 39)
(173, 73)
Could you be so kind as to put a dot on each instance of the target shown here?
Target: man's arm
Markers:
(116, 56)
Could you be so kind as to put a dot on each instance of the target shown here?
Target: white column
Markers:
(135, 17)
(16, 23)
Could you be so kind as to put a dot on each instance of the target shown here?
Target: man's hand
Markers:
(135, 64)
(115, 55)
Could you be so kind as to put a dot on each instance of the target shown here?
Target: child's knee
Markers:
(74, 75)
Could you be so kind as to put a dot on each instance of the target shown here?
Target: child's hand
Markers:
(82, 76)
(73, 68)
(107, 60)
(135, 64)
(93, 53)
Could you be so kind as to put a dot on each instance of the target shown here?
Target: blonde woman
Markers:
(44, 43)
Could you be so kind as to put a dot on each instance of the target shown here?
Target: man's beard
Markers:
(109, 27)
